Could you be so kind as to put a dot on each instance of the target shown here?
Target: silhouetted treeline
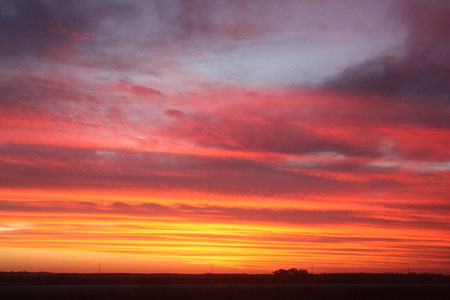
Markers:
(290, 276)
(290, 272)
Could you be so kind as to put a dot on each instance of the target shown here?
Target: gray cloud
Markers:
(420, 73)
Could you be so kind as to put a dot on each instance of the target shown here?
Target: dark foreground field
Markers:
(232, 286)
(228, 291)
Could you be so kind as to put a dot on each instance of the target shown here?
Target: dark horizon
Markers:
(24, 285)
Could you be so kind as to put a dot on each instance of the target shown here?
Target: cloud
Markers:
(62, 168)
(419, 72)
(75, 36)
(144, 91)
(268, 135)
(218, 213)
(66, 167)
(305, 121)
(174, 113)
(52, 32)
(34, 28)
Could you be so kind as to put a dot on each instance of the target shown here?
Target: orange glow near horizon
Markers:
(190, 239)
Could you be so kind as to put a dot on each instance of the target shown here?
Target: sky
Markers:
(247, 136)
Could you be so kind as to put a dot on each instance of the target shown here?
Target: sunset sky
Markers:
(173, 135)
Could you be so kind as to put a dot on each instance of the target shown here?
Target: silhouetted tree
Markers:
(302, 272)
(280, 272)
(290, 272)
